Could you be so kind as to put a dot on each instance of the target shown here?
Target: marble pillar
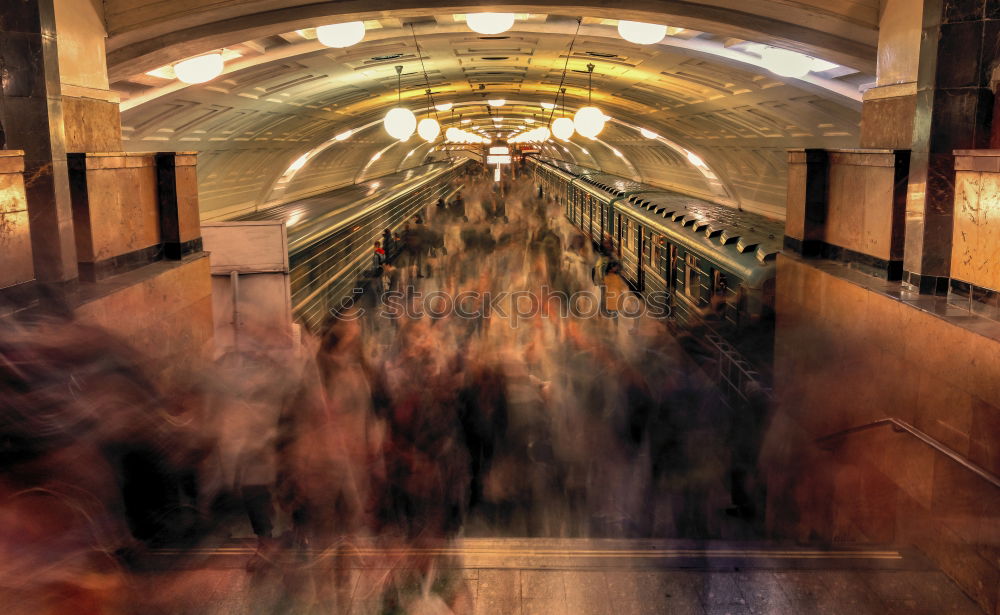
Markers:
(953, 111)
(31, 120)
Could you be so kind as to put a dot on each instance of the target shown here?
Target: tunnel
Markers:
(412, 306)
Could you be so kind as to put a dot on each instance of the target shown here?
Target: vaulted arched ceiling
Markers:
(284, 95)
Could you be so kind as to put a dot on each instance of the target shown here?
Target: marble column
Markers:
(31, 119)
(953, 111)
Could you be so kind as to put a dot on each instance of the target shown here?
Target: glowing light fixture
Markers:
(819, 66)
(489, 23)
(549, 106)
(341, 35)
(428, 129)
(497, 102)
(400, 122)
(641, 33)
(695, 159)
(563, 128)
(529, 120)
(785, 62)
(444, 107)
(466, 121)
(200, 69)
(589, 121)
(649, 134)
(344, 135)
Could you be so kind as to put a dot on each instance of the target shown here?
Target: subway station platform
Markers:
(561, 576)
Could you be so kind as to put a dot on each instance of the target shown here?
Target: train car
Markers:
(716, 263)
(330, 236)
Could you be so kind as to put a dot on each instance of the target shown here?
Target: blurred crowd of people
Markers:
(384, 439)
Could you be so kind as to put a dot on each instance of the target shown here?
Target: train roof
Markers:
(613, 184)
(749, 233)
(312, 218)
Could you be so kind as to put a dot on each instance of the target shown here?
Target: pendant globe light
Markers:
(428, 128)
(562, 128)
(400, 122)
(589, 120)
(341, 35)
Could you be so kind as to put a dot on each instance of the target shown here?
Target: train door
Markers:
(590, 216)
(670, 267)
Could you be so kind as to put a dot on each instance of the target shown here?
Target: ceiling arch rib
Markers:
(293, 96)
(145, 34)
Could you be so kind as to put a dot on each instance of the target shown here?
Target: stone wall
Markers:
(852, 349)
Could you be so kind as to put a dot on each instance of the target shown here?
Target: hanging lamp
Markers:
(563, 127)
(428, 128)
(400, 122)
(589, 120)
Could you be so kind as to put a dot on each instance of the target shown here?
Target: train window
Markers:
(647, 247)
(692, 285)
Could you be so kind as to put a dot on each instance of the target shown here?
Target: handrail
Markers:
(899, 425)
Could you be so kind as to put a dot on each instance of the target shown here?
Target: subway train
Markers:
(717, 263)
(330, 236)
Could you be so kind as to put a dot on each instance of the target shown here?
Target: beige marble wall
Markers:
(188, 212)
(15, 238)
(845, 356)
(164, 310)
(121, 212)
(899, 41)
(859, 213)
(975, 250)
(795, 199)
(92, 125)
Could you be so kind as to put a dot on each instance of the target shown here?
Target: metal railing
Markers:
(902, 426)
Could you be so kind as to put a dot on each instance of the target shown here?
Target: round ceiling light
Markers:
(649, 134)
(444, 107)
(589, 121)
(497, 102)
(641, 33)
(200, 69)
(563, 128)
(785, 62)
(400, 123)
(548, 105)
(428, 129)
(489, 23)
(341, 35)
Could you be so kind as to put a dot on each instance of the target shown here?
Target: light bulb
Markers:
(489, 23)
(563, 128)
(428, 129)
(400, 123)
(649, 134)
(443, 106)
(589, 121)
(529, 120)
(785, 62)
(497, 102)
(548, 106)
(200, 69)
(341, 35)
(641, 33)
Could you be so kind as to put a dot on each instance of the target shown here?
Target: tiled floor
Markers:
(584, 580)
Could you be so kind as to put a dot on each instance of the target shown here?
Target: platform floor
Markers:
(557, 577)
